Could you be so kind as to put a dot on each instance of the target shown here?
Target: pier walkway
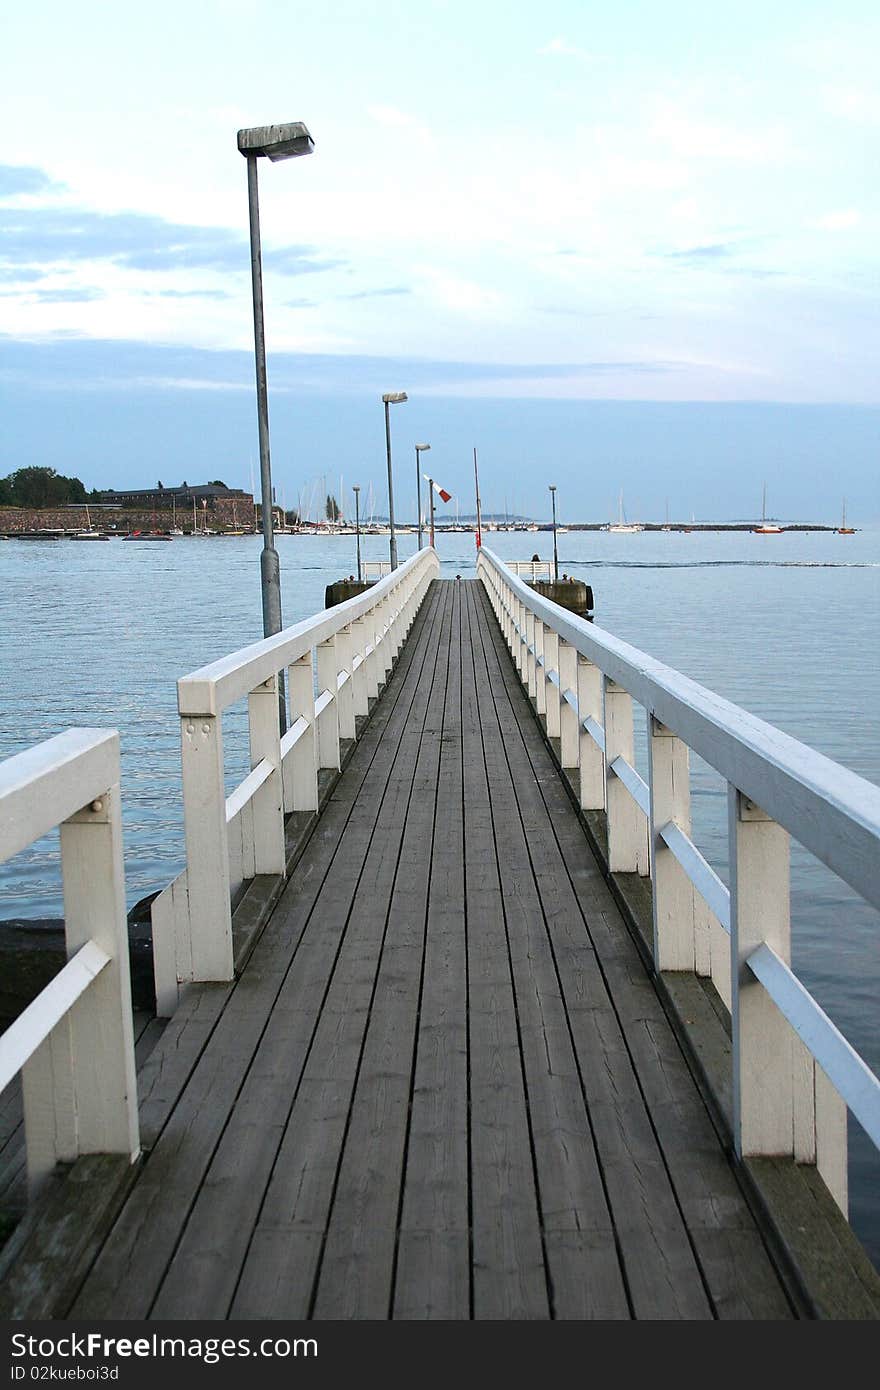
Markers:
(444, 1084)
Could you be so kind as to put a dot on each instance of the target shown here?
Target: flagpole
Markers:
(479, 517)
(431, 494)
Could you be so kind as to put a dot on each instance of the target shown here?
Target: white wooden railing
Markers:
(74, 1043)
(794, 1074)
(531, 569)
(336, 663)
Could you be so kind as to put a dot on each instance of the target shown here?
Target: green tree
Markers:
(332, 508)
(42, 487)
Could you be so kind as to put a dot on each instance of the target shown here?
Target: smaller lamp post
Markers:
(420, 449)
(357, 525)
(391, 398)
(555, 557)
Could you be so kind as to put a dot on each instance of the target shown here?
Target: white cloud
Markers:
(462, 296)
(857, 104)
(838, 221)
(561, 48)
(394, 119)
(689, 138)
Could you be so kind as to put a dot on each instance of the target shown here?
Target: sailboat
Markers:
(621, 526)
(89, 534)
(175, 529)
(843, 529)
(767, 528)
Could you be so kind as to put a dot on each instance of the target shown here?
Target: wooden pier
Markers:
(445, 1084)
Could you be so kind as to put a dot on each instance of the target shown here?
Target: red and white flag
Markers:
(444, 495)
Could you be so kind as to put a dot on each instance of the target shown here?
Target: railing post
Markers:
(673, 893)
(301, 764)
(328, 719)
(627, 832)
(591, 760)
(345, 693)
(568, 717)
(763, 1055)
(552, 692)
(523, 648)
(209, 956)
(79, 1087)
(540, 670)
(359, 683)
(529, 676)
(371, 663)
(383, 640)
(268, 803)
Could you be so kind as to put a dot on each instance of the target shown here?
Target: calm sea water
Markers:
(787, 626)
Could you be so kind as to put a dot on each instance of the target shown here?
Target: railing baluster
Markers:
(551, 689)
(80, 1089)
(763, 1099)
(540, 669)
(268, 803)
(301, 764)
(345, 693)
(673, 893)
(529, 676)
(627, 831)
(207, 852)
(328, 719)
(359, 683)
(568, 716)
(591, 759)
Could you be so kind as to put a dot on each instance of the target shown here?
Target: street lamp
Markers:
(555, 558)
(274, 142)
(357, 524)
(420, 449)
(391, 398)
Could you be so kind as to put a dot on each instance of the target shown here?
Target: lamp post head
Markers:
(355, 487)
(420, 448)
(394, 397)
(552, 487)
(276, 141)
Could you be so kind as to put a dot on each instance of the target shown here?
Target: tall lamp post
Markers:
(420, 449)
(391, 398)
(275, 142)
(357, 524)
(555, 557)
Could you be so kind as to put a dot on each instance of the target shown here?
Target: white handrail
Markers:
(77, 1064)
(777, 787)
(214, 687)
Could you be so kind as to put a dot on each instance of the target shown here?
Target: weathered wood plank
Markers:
(510, 1279)
(433, 1275)
(357, 1268)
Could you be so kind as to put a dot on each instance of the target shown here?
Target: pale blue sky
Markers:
(509, 206)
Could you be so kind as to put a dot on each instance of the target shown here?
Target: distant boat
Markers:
(767, 528)
(89, 534)
(843, 529)
(621, 526)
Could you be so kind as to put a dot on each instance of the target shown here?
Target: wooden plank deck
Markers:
(444, 1086)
